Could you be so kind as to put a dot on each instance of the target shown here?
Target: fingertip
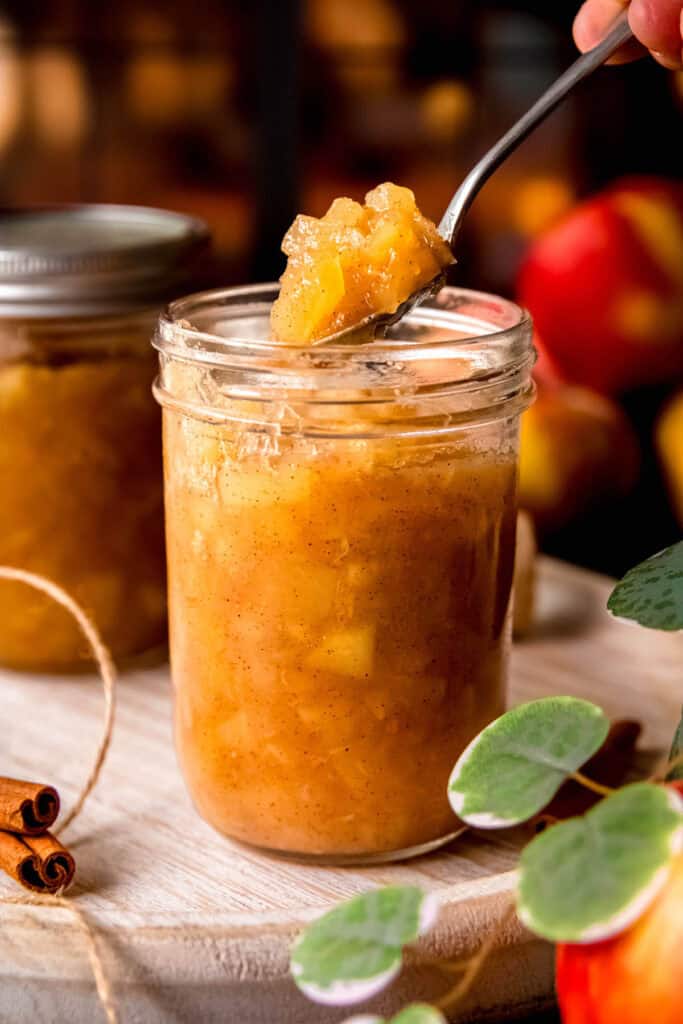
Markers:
(592, 22)
(659, 27)
(584, 28)
(666, 61)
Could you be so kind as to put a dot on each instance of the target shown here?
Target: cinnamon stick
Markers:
(57, 866)
(39, 863)
(20, 862)
(27, 807)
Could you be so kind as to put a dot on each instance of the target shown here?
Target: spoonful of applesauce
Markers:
(359, 269)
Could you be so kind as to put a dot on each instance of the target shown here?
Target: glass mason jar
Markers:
(80, 459)
(340, 529)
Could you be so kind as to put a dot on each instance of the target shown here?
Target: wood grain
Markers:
(195, 928)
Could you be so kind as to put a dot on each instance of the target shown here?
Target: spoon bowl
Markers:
(376, 324)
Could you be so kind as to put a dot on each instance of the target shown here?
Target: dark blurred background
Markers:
(245, 113)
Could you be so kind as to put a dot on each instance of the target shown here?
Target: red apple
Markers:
(547, 373)
(605, 287)
(635, 977)
(577, 449)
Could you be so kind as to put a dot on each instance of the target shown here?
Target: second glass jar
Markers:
(340, 538)
(80, 456)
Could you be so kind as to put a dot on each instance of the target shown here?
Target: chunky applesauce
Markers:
(339, 631)
(340, 538)
(82, 497)
(353, 262)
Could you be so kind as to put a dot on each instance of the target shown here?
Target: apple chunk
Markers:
(346, 652)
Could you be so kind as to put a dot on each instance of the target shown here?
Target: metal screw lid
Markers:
(90, 260)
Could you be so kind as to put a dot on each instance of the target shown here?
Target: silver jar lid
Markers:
(90, 260)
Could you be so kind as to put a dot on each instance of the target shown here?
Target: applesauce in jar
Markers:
(80, 457)
(340, 539)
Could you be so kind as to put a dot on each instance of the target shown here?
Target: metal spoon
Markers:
(452, 219)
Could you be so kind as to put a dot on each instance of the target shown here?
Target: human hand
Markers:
(657, 26)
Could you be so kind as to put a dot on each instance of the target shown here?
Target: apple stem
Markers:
(595, 787)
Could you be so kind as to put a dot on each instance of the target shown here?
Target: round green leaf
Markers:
(353, 951)
(590, 877)
(652, 592)
(416, 1013)
(512, 769)
(419, 1013)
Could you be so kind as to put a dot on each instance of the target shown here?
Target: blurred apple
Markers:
(605, 287)
(546, 371)
(577, 449)
(635, 977)
(669, 442)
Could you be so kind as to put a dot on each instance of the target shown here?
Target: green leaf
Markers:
(419, 1013)
(676, 772)
(416, 1013)
(512, 769)
(588, 878)
(652, 592)
(353, 951)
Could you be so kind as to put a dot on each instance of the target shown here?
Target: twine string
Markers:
(107, 672)
(105, 666)
(666, 767)
(104, 990)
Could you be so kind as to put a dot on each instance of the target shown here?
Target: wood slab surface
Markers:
(195, 928)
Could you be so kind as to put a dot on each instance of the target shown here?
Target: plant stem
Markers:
(663, 773)
(542, 821)
(595, 787)
(475, 964)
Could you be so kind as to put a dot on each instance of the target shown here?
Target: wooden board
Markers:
(195, 928)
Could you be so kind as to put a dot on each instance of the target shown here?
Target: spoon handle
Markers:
(484, 168)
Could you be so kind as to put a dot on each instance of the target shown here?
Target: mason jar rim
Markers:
(458, 367)
(175, 326)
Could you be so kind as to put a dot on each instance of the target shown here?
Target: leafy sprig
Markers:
(580, 880)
